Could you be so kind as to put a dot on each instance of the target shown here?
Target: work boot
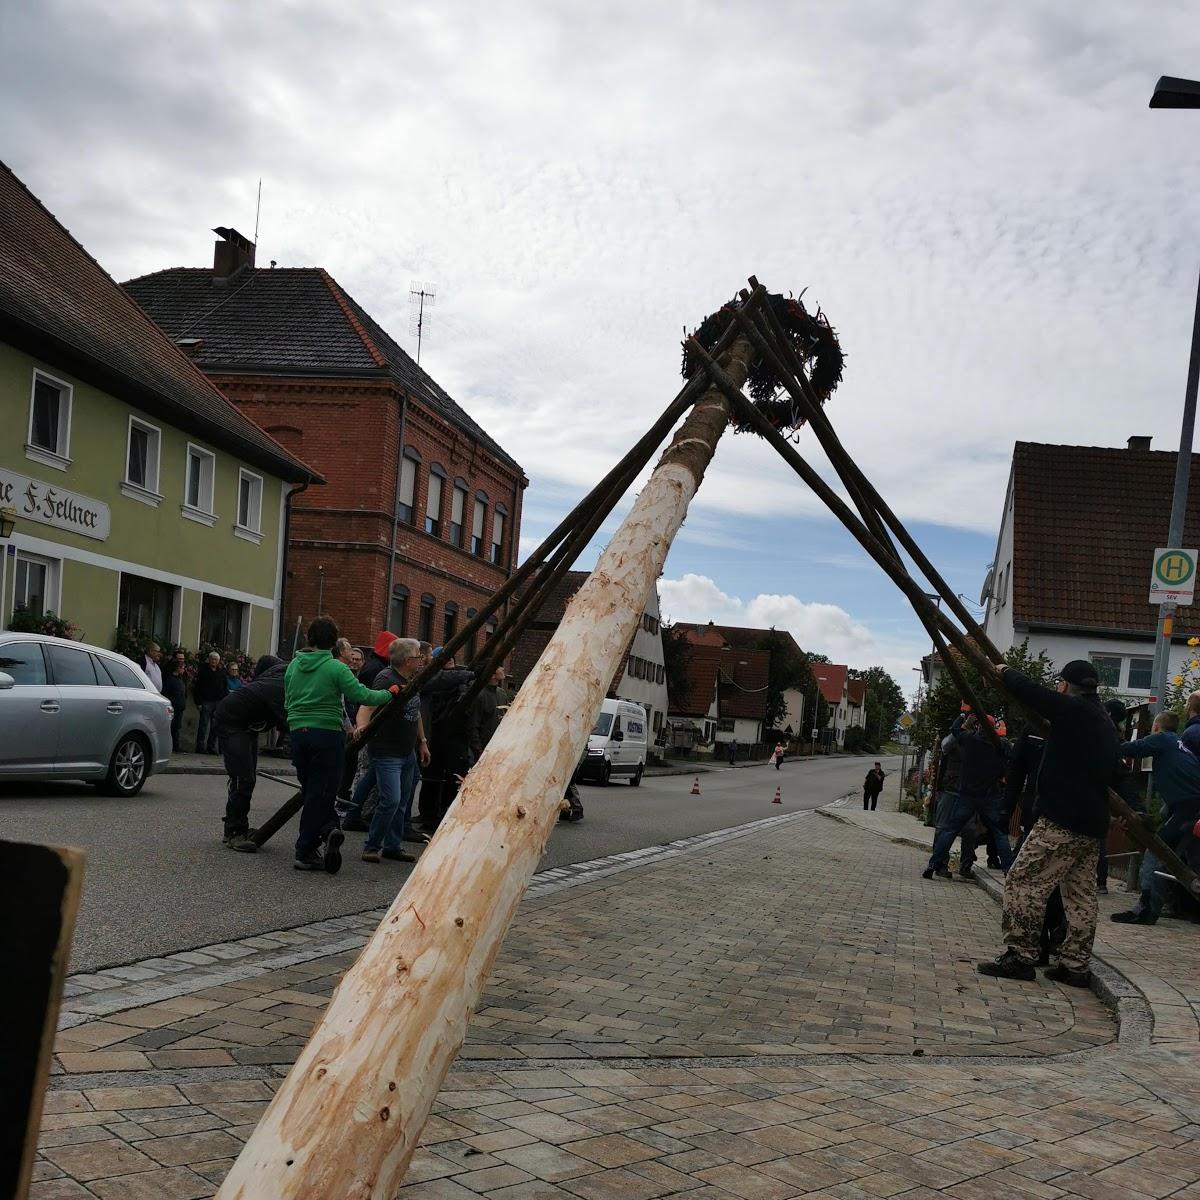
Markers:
(312, 861)
(1010, 965)
(1132, 917)
(966, 873)
(1069, 976)
(939, 872)
(399, 856)
(371, 856)
(242, 842)
(332, 858)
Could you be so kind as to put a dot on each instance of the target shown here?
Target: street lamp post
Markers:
(1177, 93)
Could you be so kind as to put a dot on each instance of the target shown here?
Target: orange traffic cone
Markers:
(696, 786)
(778, 797)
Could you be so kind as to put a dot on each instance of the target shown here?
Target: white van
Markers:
(617, 745)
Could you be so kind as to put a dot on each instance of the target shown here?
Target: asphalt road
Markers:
(159, 880)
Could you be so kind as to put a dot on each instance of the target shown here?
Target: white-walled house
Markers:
(1071, 572)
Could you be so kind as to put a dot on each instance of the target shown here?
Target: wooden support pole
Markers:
(348, 1116)
(39, 893)
(930, 615)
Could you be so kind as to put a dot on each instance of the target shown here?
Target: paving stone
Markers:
(175, 1183)
(97, 1160)
(184, 1148)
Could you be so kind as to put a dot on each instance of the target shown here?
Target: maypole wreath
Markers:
(814, 341)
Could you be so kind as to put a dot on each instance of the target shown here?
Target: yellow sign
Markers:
(907, 721)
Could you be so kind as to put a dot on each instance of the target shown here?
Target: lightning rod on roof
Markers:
(257, 209)
(421, 296)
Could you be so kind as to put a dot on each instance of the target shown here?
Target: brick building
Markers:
(420, 517)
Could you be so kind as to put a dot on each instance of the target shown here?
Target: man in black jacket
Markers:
(209, 690)
(1071, 818)
(239, 719)
(981, 763)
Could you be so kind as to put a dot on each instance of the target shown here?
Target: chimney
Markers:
(1139, 443)
(231, 254)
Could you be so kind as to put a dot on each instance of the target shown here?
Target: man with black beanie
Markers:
(1070, 821)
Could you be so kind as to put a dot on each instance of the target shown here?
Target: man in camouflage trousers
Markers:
(1071, 820)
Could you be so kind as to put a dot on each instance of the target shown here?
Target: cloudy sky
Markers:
(1005, 237)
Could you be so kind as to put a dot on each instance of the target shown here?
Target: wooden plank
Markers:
(39, 896)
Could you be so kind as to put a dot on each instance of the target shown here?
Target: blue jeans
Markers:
(206, 729)
(955, 810)
(1156, 890)
(317, 755)
(396, 781)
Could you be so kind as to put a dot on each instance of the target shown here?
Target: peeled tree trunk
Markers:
(348, 1117)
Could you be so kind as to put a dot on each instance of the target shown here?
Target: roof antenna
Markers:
(257, 210)
(420, 297)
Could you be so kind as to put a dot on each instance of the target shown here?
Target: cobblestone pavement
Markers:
(787, 1012)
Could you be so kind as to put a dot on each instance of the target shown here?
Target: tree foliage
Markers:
(884, 705)
(788, 668)
(942, 703)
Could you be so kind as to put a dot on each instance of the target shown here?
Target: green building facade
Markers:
(140, 497)
(107, 534)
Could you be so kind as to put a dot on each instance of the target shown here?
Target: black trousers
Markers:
(239, 749)
(870, 800)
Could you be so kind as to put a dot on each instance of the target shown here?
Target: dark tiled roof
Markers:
(740, 674)
(831, 679)
(701, 676)
(290, 320)
(1087, 520)
(741, 636)
(56, 299)
(744, 675)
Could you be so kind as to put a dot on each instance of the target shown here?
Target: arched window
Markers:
(433, 501)
(449, 621)
(477, 522)
(408, 485)
(398, 612)
(458, 506)
(425, 624)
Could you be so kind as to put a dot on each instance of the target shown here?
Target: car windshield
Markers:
(603, 725)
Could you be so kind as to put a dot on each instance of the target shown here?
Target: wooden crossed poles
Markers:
(347, 1118)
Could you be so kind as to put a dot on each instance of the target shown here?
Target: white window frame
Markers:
(53, 599)
(147, 493)
(60, 457)
(1127, 671)
(407, 493)
(203, 516)
(250, 533)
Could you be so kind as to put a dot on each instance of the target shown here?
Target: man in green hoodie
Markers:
(314, 687)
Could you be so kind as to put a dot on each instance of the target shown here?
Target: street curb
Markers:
(1134, 1014)
(899, 841)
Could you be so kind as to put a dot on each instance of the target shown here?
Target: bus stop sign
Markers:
(1173, 577)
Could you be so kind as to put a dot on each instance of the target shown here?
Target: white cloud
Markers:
(978, 196)
(819, 628)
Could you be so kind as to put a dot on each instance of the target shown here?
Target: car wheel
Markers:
(605, 774)
(637, 778)
(128, 768)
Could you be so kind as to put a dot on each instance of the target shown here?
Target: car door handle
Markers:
(50, 706)
(115, 707)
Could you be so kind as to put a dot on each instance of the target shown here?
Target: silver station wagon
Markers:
(73, 711)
